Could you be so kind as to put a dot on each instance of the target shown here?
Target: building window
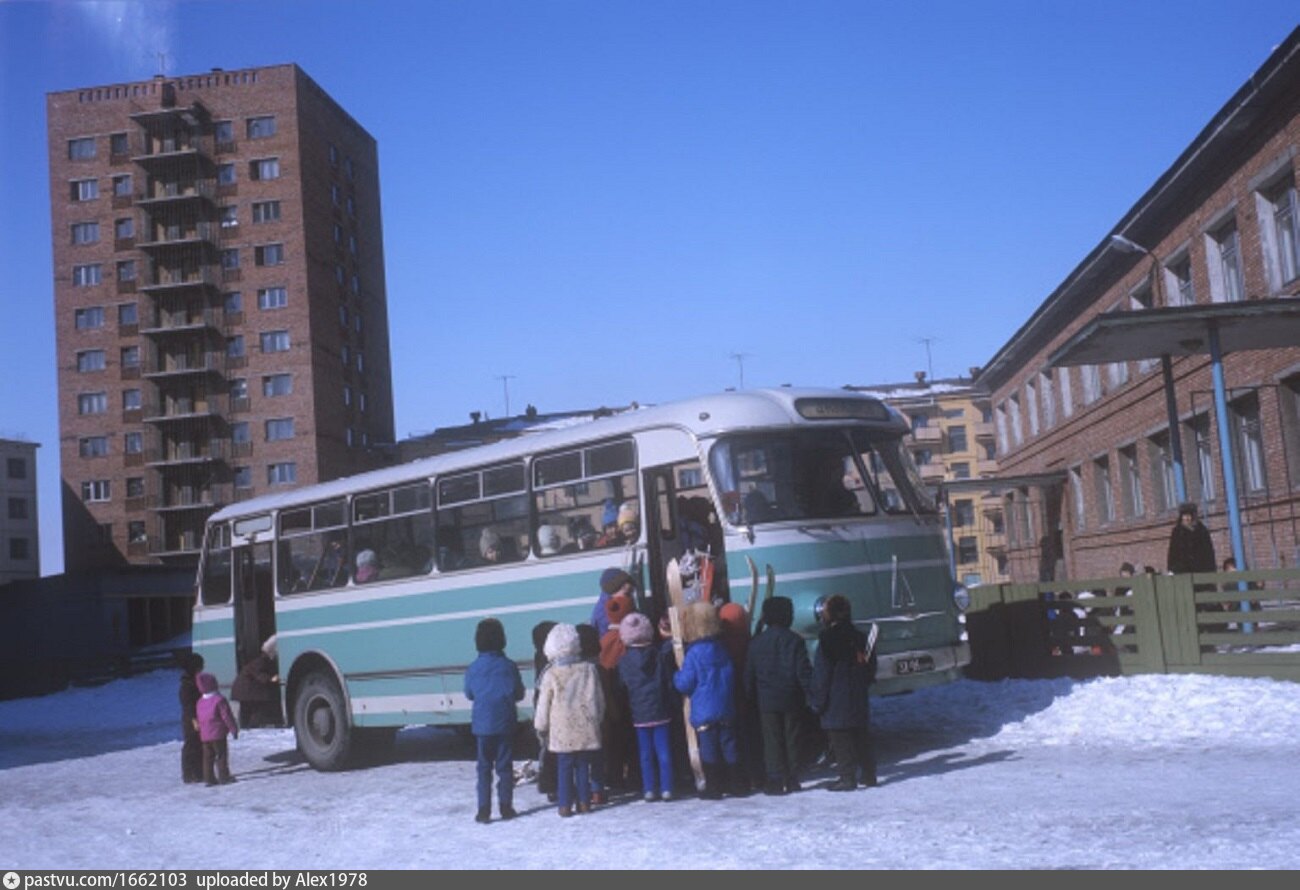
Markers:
(345, 354)
(127, 315)
(967, 551)
(343, 316)
(347, 395)
(119, 144)
(1178, 276)
(1289, 396)
(266, 211)
(18, 508)
(1199, 427)
(230, 258)
(88, 319)
(355, 284)
(277, 385)
(135, 487)
(361, 362)
(1001, 428)
(1250, 444)
(352, 206)
(85, 232)
(352, 244)
(272, 298)
(223, 132)
(1013, 421)
(241, 433)
(86, 276)
(229, 216)
(126, 270)
(1280, 231)
(282, 474)
(243, 477)
(334, 194)
(16, 468)
(124, 228)
(1091, 383)
(264, 168)
(1223, 254)
(93, 446)
(132, 443)
(957, 438)
(1162, 470)
(130, 357)
(122, 185)
(963, 512)
(338, 234)
(279, 428)
(1067, 395)
(226, 174)
(18, 548)
(347, 168)
(1101, 481)
(1131, 482)
(235, 346)
(135, 532)
(95, 491)
(262, 127)
(238, 388)
(268, 254)
(361, 402)
(1031, 405)
(90, 360)
(233, 301)
(92, 403)
(1048, 398)
(85, 189)
(334, 155)
(82, 149)
(275, 341)
(131, 400)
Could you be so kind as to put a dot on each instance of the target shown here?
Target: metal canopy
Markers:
(1181, 331)
(1002, 483)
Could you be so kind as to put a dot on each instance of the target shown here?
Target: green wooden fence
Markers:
(1244, 624)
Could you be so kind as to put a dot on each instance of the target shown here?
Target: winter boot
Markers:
(739, 786)
(715, 780)
(484, 815)
(774, 786)
(508, 812)
(843, 783)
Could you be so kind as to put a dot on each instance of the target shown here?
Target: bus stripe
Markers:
(744, 583)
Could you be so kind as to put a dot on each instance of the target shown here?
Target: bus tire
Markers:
(324, 733)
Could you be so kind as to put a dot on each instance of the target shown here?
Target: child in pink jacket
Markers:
(216, 721)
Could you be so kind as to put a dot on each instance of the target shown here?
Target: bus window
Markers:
(313, 551)
(893, 474)
(396, 527)
(482, 518)
(804, 475)
(216, 567)
(587, 498)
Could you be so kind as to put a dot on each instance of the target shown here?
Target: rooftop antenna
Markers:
(740, 364)
(929, 364)
(505, 385)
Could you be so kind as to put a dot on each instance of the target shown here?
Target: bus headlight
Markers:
(961, 597)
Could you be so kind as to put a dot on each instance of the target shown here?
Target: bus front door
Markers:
(680, 519)
(254, 599)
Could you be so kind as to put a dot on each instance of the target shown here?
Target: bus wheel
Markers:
(321, 724)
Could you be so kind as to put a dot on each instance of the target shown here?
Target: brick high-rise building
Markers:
(221, 312)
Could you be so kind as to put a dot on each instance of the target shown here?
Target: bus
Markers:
(373, 584)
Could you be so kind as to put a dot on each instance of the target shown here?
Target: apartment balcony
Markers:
(927, 435)
(984, 431)
(163, 278)
(200, 236)
(164, 414)
(186, 366)
(991, 502)
(932, 472)
(986, 467)
(168, 193)
(995, 541)
(209, 498)
(182, 322)
(182, 545)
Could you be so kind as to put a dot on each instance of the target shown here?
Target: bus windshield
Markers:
(816, 475)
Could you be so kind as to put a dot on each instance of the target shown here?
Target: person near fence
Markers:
(1190, 546)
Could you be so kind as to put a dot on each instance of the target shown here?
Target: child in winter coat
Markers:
(777, 678)
(707, 676)
(493, 684)
(191, 744)
(843, 671)
(647, 682)
(216, 722)
(589, 650)
(545, 757)
(570, 707)
(618, 738)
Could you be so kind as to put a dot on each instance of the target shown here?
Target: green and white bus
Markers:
(373, 584)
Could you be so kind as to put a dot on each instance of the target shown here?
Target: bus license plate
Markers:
(917, 664)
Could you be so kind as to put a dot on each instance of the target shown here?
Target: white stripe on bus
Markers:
(408, 704)
(746, 583)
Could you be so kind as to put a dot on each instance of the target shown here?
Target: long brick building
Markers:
(1088, 449)
(221, 311)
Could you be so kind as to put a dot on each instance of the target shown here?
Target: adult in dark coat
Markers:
(257, 689)
(1190, 546)
(191, 744)
(843, 672)
(778, 676)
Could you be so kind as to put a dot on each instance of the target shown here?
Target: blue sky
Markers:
(608, 200)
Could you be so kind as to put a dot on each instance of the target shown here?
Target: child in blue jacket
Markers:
(646, 673)
(493, 683)
(708, 677)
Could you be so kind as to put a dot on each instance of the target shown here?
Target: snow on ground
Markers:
(1146, 772)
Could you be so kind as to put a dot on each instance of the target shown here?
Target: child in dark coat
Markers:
(191, 744)
(216, 722)
(777, 679)
(494, 685)
(843, 671)
(707, 676)
(545, 756)
(647, 682)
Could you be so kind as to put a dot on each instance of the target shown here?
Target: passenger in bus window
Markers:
(367, 567)
(609, 536)
(582, 531)
(548, 540)
(332, 568)
(489, 546)
(629, 523)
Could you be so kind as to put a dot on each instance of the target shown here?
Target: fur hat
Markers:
(734, 617)
(548, 540)
(206, 682)
(617, 606)
(700, 621)
(490, 636)
(562, 642)
(1186, 508)
(487, 541)
(627, 512)
(611, 580)
(271, 647)
(778, 611)
(837, 608)
(366, 558)
(588, 641)
(635, 630)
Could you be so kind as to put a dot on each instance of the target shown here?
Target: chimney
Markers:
(920, 377)
(475, 416)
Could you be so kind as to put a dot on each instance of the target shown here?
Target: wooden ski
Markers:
(753, 594)
(677, 600)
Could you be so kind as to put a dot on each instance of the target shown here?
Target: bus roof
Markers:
(702, 416)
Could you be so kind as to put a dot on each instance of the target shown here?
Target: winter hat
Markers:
(487, 541)
(548, 540)
(734, 618)
(271, 647)
(489, 636)
(628, 513)
(588, 641)
(540, 632)
(206, 682)
(613, 579)
(700, 621)
(617, 607)
(562, 642)
(610, 514)
(837, 608)
(191, 662)
(366, 558)
(635, 630)
(778, 611)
